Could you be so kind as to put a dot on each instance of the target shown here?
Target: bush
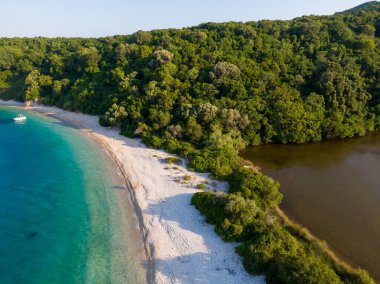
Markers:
(262, 248)
(173, 160)
(231, 214)
(210, 205)
(103, 121)
(175, 146)
(299, 269)
(254, 185)
(153, 141)
(201, 186)
(185, 149)
(219, 162)
(267, 246)
(199, 161)
(187, 177)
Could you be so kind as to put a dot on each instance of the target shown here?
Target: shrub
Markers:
(210, 205)
(254, 185)
(103, 121)
(153, 141)
(185, 149)
(172, 145)
(201, 186)
(267, 247)
(299, 269)
(219, 162)
(173, 160)
(187, 177)
(231, 214)
(199, 161)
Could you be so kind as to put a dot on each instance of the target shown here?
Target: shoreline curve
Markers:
(126, 181)
(180, 246)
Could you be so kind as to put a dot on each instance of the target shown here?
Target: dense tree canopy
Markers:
(269, 81)
(207, 92)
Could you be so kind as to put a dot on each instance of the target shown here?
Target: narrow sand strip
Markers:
(184, 248)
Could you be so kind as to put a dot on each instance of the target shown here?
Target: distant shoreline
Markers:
(179, 245)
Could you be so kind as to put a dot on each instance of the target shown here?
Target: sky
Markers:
(96, 18)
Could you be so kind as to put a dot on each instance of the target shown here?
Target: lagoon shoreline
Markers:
(180, 246)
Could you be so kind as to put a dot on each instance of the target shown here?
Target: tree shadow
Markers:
(219, 265)
(201, 268)
(109, 132)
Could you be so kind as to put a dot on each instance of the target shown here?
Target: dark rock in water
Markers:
(32, 235)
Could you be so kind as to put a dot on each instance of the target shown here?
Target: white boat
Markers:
(19, 117)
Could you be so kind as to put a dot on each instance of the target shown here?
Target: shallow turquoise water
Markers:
(59, 214)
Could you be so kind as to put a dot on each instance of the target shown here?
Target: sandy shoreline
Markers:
(182, 248)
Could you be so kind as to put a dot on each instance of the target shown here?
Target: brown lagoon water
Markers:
(333, 189)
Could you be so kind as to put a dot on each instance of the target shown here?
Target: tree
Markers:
(207, 92)
(225, 71)
(32, 88)
(206, 113)
(89, 59)
(231, 119)
(160, 57)
(114, 116)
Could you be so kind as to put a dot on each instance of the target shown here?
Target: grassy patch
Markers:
(173, 160)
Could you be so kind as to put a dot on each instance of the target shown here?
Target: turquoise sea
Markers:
(65, 216)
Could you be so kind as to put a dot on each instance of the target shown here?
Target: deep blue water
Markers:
(58, 213)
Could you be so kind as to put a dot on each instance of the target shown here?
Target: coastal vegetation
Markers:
(173, 160)
(207, 92)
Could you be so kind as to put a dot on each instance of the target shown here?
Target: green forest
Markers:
(207, 92)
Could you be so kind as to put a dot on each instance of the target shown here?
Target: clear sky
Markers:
(95, 18)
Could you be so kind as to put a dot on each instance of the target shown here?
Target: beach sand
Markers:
(180, 245)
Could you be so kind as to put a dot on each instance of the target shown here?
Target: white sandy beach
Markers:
(184, 248)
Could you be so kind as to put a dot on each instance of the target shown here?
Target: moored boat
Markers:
(20, 117)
